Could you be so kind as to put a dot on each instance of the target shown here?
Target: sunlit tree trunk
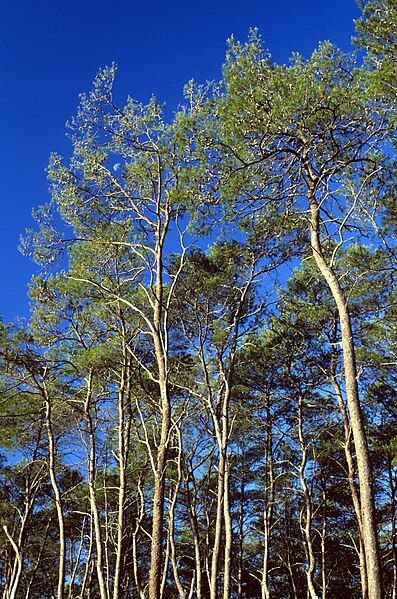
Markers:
(393, 531)
(194, 527)
(123, 434)
(171, 515)
(160, 341)
(307, 512)
(100, 566)
(269, 503)
(367, 502)
(352, 483)
(56, 490)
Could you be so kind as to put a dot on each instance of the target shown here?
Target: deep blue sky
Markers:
(51, 50)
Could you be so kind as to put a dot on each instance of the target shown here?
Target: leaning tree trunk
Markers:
(353, 402)
(352, 484)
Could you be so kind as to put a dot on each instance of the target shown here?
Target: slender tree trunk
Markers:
(227, 573)
(120, 523)
(191, 502)
(323, 536)
(141, 514)
(11, 589)
(57, 494)
(158, 498)
(218, 526)
(222, 434)
(106, 527)
(220, 427)
(393, 532)
(171, 519)
(166, 563)
(92, 493)
(352, 484)
(123, 433)
(88, 563)
(32, 482)
(306, 519)
(78, 558)
(160, 341)
(290, 566)
(241, 540)
(356, 417)
(38, 561)
(269, 503)
(223, 518)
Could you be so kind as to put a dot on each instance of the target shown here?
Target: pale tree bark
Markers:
(171, 515)
(191, 503)
(146, 201)
(105, 527)
(52, 452)
(221, 429)
(34, 475)
(307, 513)
(367, 502)
(159, 327)
(38, 561)
(138, 525)
(223, 521)
(241, 539)
(78, 558)
(289, 564)
(348, 450)
(218, 528)
(222, 518)
(159, 489)
(351, 475)
(88, 562)
(166, 563)
(11, 589)
(393, 531)
(269, 502)
(227, 571)
(323, 540)
(123, 435)
(91, 449)
(220, 418)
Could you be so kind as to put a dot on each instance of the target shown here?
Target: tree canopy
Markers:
(203, 404)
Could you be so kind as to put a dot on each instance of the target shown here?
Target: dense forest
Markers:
(203, 403)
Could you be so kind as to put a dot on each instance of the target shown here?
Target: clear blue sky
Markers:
(51, 50)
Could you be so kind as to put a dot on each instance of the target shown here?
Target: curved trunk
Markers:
(352, 484)
(353, 402)
(11, 593)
